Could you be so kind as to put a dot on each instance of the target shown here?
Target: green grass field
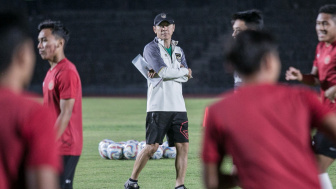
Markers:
(121, 119)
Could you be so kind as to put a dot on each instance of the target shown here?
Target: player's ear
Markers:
(24, 54)
(60, 43)
(154, 29)
(266, 62)
(270, 63)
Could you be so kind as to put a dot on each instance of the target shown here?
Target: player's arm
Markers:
(214, 179)
(66, 106)
(308, 79)
(42, 163)
(330, 93)
(44, 177)
(213, 153)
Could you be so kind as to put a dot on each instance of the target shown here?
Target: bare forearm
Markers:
(61, 123)
(42, 178)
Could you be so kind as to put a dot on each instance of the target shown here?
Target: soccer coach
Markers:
(166, 111)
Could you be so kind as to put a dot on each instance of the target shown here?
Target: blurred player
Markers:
(28, 156)
(62, 92)
(245, 20)
(166, 111)
(324, 74)
(268, 139)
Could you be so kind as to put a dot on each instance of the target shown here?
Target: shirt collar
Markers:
(160, 41)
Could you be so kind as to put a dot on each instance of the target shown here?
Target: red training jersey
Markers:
(63, 82)
(266, 130)
(325, 61)
(27, 139)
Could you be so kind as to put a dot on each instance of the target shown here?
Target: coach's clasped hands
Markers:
(151, 73)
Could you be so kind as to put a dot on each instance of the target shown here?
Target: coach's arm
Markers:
(66, 106)
(153, 57)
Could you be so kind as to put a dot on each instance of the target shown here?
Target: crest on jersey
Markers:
(178, 57)
(163, 15)
(327, 59)
(51, 85)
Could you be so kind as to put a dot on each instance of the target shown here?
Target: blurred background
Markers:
(107, 34)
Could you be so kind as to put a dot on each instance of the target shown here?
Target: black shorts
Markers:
(324, 146)
(69, 167)
(172, 124)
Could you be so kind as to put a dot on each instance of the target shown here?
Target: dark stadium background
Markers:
(107, 34)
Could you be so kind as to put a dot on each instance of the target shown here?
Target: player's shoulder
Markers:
(23, 102)
(151, 45)
(222, 99)
(67, 67)
(295, 88)
(320, 46)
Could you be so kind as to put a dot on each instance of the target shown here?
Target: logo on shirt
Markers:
(327, 59)
(178, 57)
(51, 85)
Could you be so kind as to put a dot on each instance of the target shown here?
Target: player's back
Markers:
(266, 129)
(19, 144)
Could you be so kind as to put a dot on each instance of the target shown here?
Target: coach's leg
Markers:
(323, 163)
(142, 159)
(181, 162)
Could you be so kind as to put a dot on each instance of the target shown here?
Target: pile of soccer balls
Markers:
(109, 149)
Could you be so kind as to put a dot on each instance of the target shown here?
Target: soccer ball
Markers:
(132, 141)
(130, 150)
(141, 145)
(102, 147)
(165, 145)
(158, 153)
(115, 151)
(122, 143)
(169, 152)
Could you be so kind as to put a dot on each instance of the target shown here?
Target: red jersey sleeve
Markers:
(317, 109)
(68, 84)
(40, 136)
(211, 144)
(316, 56)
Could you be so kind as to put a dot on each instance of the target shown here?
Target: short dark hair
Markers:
(252, 18)
(245, 53)
(57, 28)
(329, 9)
(14, 32)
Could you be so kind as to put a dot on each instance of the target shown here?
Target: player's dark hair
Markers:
(252, 18)
(14, 32)
(245, 53)
(57, 28)
(328, 9)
